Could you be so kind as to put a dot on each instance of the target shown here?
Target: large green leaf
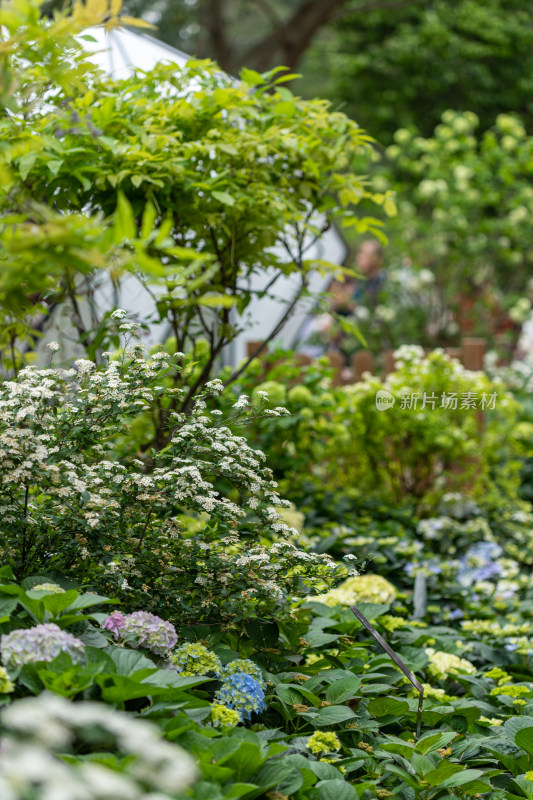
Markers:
(88, 600)
(54, 603)
(343, 690)
(117, 689)
(524, 739)
(382, 706)
(445, 770)
(330, 715)
(128, 661)
(336, 790)
(432, 741)
(525, 785)
(460, 778)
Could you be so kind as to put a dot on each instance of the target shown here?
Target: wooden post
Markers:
(363, 361)
(473, 352)
(251, 347)
(388, 362)
(302, 359)
(336, 361)
(453, 352)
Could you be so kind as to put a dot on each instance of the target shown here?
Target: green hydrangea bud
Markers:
(223, 716)
(192, 658)
(6, 685)
(48, 587)
(300, 395)
(323, 742)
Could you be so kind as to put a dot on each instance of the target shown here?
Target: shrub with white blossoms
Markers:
(35, 730)
(192, 522)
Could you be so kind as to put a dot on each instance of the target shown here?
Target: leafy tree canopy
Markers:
(392, 63)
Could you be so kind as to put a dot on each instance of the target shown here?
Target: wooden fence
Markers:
(471, 354)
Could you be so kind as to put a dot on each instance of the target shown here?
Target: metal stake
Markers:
(399, 663)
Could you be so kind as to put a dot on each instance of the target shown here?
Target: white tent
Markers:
(119, 53)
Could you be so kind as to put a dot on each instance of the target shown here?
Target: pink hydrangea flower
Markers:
(114, 622)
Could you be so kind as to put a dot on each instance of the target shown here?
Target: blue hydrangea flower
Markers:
(41, 643)
(457, 613)
(246, 666)
(243, 693)
(479, 563)
(151, 631)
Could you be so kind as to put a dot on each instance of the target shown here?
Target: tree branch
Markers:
(289, 41)
(214, 23)
(270, 336)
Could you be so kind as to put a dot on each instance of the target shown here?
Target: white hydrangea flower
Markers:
(48, 723)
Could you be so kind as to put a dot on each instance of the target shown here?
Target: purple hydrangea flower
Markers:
(42, 643)
(114, 622)
(151, 631)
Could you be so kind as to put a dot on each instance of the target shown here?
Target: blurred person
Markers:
(322, 332)
(369, 262)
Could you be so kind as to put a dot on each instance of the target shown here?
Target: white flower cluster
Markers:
(56, 429)
(38, 727)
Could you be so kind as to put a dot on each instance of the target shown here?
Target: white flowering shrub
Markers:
(194, 523)
(36, 729)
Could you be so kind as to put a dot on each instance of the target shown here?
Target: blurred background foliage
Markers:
(388, 63)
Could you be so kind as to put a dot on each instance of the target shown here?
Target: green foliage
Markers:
(150, 179)
(411, 453)
(419, 449)
(131, 480)
(421, 59)
(299, 440)
(466, 203)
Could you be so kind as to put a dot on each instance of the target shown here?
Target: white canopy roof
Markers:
(120, 51)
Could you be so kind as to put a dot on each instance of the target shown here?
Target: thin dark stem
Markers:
(24, 539)
(12, 347)
(258, 350)
(144, 530)
(206, 371)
